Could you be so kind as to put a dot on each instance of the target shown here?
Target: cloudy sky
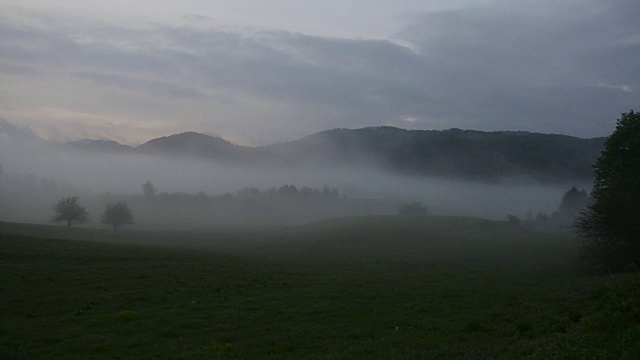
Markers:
(258, 72)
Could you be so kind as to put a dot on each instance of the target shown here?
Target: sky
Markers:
(261, 72)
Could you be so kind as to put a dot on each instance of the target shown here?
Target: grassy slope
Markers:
(380, 287)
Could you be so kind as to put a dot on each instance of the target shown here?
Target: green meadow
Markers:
(367, 287)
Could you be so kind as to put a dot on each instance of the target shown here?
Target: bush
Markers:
(513, 219)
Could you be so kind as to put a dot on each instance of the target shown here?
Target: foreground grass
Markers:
(358, 288)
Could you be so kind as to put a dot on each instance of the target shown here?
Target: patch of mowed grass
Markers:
(383, 289)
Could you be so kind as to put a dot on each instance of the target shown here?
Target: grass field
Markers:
(372, 287)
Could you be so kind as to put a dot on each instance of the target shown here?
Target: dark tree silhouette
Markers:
(117, 215)
(514, 219)
(573, 201)
(610, 225)
(148, 190)
(69, 210)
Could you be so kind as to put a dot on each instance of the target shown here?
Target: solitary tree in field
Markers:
(69, 210)
(117, 214)
(572, 202)
(148, 190)
(610, 225)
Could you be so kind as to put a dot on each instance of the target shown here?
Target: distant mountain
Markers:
(467, 154)
(108, 146)
(195, 144)
(464, 154)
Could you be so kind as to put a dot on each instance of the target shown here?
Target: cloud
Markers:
(12, 133)
(152, 87)
(524, 61)
(566, 67)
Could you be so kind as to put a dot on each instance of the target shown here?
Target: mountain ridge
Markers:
(466, 154)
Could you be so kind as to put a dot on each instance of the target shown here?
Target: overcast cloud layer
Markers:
(554, 67)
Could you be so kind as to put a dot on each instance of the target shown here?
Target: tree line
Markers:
(118, 213)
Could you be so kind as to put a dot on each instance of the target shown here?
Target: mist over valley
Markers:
(205, 181)
(332, 179)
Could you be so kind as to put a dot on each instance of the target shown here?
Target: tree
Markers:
(69, 210)
(117, 214)
(288, 191)
(514, 219)
(572, 202)
(610, 225)
(148, 190)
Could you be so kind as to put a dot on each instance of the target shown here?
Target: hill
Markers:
(194, 144)
(466, 154)
(463, 154)
(108, 146)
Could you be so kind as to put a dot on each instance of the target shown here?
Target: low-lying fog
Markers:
(36, 175)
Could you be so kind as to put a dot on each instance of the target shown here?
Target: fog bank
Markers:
(31, 168)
